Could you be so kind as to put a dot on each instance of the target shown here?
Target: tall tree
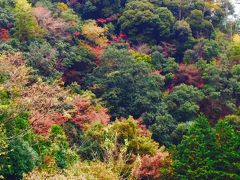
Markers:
(127, 86)
(143, 22)
(200, 26)
(208, 153)
(194, 156)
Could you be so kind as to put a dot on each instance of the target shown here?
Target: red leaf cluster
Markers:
(170, 88)
(112, 18)
(86, 114)
(101, 21)
(72, 75)
(188, 74)
(118, 38)
(214, 109)
(43, 123)
(150, 166)
(168, 49)
(77, 34)
(4, 34)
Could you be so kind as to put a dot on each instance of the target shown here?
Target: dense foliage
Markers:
(119, 89)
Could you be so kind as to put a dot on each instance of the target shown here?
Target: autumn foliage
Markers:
(55, 26)
(86, 113)
(150, 166)
(112, 18)
(188, 74)
(4, 34)
(119, 89)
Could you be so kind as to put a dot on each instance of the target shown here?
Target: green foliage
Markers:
(60, 149)
(162, 128)
(233, 120)
(190, 56)
(17, 153)
(208, 153)
(43, 58)
(4, 98)
(3, 150)
(79, 170)
(194, 156)
(67, 13)
(126, 129)
(166, 21)
(200, 27)
(181, 9)
(98, 142)
(141, 57)
(73, 133)
(145, 23)
(76, 59)
(6, 16)
(74, 56)
(91, 143)
(180, 131)
(96, 9)
(166, 65)
(119, 80)
(90, 149)
(221, 90)
(211, 49)
(182, 31)
(142, 146)
(22, 158)
(131, 55)
(129, 133)
(234, 52)
(228, 160)
(207, 49)
(183, 102)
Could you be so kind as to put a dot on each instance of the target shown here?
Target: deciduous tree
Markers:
(26, 24)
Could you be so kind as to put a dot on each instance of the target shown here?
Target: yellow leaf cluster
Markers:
(95, 33)
(12, 66)
(212, 5)
(236, 38)
(62, 6)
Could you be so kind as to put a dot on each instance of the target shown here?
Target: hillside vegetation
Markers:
(116, 89)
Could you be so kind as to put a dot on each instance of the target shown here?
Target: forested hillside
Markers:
(119, 89)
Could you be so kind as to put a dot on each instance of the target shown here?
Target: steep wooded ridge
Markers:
(116, 89)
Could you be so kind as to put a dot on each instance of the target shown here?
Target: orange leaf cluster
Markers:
(97, 51)
(4, 34)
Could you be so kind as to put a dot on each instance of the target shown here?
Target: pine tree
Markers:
(195, 154)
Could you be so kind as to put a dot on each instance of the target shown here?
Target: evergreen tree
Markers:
(194, 158)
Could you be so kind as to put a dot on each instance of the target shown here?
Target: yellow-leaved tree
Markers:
(25, 22)
(94, 33)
